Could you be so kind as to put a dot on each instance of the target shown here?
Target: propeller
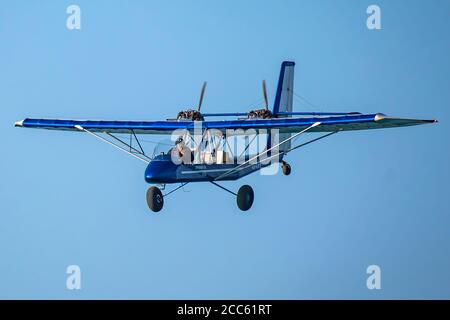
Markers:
(264, 113)
(202, 94)
(266, 101)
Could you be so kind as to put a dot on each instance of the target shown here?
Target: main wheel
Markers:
(286, 168)
(245, 197)
(155, 199)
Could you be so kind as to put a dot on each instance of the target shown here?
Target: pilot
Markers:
(180, 146)
(183, 151)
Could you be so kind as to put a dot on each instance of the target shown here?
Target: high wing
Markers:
(284, 125)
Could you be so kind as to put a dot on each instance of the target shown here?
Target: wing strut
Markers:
(137, 140)
(310, 141)
(265, 151)
(285, 152)
(143, 158)
(132, 149)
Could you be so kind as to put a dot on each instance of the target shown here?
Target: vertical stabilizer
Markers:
(284, 98)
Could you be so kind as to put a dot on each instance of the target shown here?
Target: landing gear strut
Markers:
(245, 197)
(155, 199)
(286, 168)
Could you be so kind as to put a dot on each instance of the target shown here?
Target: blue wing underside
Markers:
(284, 125)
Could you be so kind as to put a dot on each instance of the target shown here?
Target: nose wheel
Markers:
(286, 167)
(155, 199)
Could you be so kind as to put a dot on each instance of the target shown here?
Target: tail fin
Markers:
(284, 100)
(285, 90)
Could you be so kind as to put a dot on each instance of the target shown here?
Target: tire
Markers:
(155, 199)
(245, 197)
(286, 169)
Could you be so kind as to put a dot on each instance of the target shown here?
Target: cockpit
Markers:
(184, 152)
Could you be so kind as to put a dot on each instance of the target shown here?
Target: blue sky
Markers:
(353, 200)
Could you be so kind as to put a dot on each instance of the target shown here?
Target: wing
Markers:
(284, 125)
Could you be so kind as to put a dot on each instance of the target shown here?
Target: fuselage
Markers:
(162, 170)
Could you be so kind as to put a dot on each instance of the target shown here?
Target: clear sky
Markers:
(352, 200)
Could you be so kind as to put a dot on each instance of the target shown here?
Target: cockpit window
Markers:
(163, 147)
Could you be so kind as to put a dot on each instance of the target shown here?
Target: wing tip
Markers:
(382, 116)
(18, 123)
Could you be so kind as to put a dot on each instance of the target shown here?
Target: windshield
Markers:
(163, 147)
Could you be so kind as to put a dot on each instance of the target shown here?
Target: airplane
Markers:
(210, 157)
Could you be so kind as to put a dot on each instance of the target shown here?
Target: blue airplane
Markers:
(202, 151)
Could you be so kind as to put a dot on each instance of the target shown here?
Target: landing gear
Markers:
(245, 197)
(155, 199)
(286, 168)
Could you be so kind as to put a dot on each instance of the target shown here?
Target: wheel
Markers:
(245, 197)
(155, 199)
(286, 168)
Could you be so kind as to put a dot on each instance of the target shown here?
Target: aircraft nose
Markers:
(161, 170)
(149, 174)
(153, 172)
